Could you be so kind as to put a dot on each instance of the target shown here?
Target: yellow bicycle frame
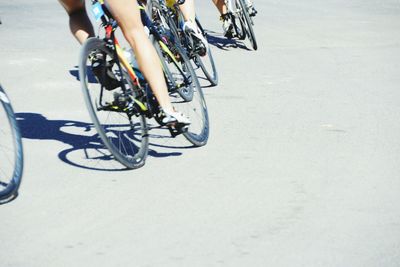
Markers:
(126, 63)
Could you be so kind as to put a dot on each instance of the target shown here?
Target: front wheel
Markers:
(11, 153)
(122, 132)
(181, 77)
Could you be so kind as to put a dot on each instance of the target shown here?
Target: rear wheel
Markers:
(11, 154)
(206, 62)
(123, 131)
(202, 58)
(238, 24)
(247, 23)
(167, 28)
(181, 77)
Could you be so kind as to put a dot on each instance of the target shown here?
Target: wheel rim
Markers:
(247, 24)
(10, 149)
(195, 108)
(127, 140)
(206, 62)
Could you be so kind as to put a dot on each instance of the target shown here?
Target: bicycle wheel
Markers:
(165, 25)
(11, 153)
(238, 24)
(181, 77)
(247, 23)
(170, 24)
(206, 62)
(124, 134)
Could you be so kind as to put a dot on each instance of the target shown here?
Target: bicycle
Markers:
(238, 14)
(11, 152)
(171, 17)
(120, 114)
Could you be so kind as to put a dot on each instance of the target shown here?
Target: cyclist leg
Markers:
(188, 10)
(226, 22)
(127, 14)
(79, 22)
(220, 4)
(189, 15)
(82, 28)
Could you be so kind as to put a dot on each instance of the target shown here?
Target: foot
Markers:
(103, 72)
(227, 26)
(252, 11)
(173, 118)
(198, 38)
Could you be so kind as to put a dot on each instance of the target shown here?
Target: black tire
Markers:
(178, 70)
(126, 139)
(207, 63)
(238, 24)
(247, 23)
(169, 31)
(11, 152)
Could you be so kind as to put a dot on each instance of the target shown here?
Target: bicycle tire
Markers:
(167, 24)
(247, 24)
(207, 63)
(238, 24)
(196, 109)
(11, 150)
(126, 140)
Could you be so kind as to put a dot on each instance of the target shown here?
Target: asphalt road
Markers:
(302, 166)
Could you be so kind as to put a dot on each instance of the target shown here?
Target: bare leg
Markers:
(220, 4)
(188, 10)
(126, 12)
(79, 22)
(190, 26)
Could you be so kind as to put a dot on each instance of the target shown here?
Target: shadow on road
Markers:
(86, 149)
(223, 43)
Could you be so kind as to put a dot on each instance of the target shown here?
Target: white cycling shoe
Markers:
(173, 117)
(192, 28)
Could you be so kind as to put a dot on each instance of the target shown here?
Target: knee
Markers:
(135, 35)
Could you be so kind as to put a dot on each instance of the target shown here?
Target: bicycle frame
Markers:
(172, 10)
(116, 93)
(111, 25)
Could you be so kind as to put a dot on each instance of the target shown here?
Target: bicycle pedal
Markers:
(178, 129)
(102, 70)
(230, 35)
(199, 47)
(252, 11)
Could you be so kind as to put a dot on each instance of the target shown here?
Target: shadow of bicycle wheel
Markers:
(221, 42)
(85, 148)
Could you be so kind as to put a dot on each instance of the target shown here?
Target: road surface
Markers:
(302, 167)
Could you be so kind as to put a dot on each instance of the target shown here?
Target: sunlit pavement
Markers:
(301, 169)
